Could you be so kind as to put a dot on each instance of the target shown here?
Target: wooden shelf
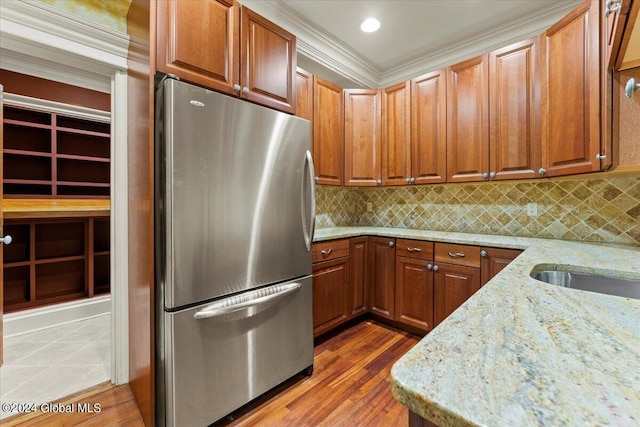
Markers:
(48, 154)
(52, 260)
(54, 208)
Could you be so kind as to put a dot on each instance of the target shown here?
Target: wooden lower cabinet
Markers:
(383, 261)
(493, 260)
(360, 276)
(330, 294)
(414, 293)
(453, 285)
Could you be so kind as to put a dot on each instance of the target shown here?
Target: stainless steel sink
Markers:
(589, 282)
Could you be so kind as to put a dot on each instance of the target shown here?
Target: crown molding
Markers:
(45, 105)
(495, 38)
(316, 44)
(40, 40)
(326, 50)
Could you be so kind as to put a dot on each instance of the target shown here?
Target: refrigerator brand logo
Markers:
(196, 103)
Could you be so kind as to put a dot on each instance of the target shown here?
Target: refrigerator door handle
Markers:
(308, 234)
(247, 300)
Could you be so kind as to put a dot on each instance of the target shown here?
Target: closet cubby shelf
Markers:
(50, 155)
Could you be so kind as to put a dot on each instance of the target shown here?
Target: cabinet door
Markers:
(571, 105)
(330, 294)
(414, 293)
(383, 261)
(328, 132)
(514, 91)
(360, 275)
(396, 134)
(198, 42)
(492, 260)
(304, 94)
(453, 285)
(362, 137)
(429, 128)
(268, 62)
(467, 120)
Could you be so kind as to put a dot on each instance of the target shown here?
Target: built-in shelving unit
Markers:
(53, 155)
(51, 261)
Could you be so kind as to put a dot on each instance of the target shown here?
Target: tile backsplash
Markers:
(597, 210)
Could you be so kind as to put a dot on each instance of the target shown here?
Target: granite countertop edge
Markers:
(527, 357)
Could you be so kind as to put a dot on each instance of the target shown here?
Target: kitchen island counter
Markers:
(523, 352)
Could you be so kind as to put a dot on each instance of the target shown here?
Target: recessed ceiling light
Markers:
(370, 25)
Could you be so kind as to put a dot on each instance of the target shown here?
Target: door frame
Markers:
(45, 42)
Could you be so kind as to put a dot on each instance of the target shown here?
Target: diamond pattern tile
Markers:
(599, 210)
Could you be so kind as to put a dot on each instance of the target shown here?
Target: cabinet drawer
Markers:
(414, 249)
(332, 249)
(458, 254)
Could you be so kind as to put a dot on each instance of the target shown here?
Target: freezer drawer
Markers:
(221, 355)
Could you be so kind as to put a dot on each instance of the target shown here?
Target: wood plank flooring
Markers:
(349, 387)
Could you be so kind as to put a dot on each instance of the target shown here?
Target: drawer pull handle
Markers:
(456, 255)
(326, 252)
(414, 249)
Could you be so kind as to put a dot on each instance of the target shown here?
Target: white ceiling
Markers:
(415, 35)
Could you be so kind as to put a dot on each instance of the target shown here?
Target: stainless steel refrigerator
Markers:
(234, 224)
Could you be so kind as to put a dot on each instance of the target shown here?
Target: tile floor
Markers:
(53, 363)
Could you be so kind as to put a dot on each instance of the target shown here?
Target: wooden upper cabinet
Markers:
(514, 93)
(328, 132)
(268, 60)
(304, 94)
(614, 17)
(429, 128)
(199, 42)
(571, 103)
(362, 137)
(396, 134)
(223, 46)
(467, 120)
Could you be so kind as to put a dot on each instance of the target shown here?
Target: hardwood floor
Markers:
(349, 386)
(117, 407)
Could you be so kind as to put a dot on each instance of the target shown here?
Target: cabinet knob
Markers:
(408, 180)
(542, 171)
(316, 179)
(6, 240)
(631, 87)
(485, 175)
(245, 90)
(236, 88)
(601, 156)
(436, 268)
(429, 266)
(412, 180)
(492, 175)
(379, 182)
(612, 6)
(483, 253)
(391, 244)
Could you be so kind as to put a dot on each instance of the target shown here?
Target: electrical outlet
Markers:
(369, 207)
(532, 209)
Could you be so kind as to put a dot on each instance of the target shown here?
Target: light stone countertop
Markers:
(522, 352)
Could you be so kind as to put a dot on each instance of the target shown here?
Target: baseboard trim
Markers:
(36, 319)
